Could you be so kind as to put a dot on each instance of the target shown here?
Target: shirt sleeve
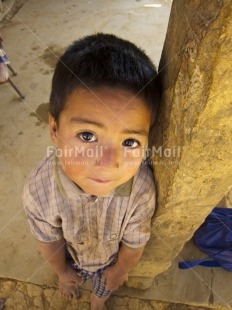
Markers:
(137, 231)
(41, 228)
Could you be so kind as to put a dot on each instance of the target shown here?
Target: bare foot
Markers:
(69, 292)
(98, 303)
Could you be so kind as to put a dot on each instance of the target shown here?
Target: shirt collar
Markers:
(69, 189)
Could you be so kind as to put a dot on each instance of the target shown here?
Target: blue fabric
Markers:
(3, 57)
(200, 262)
(214, 237)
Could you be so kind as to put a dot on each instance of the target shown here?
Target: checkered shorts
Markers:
(99, 285)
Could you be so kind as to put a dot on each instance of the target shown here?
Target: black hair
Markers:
(100, 60)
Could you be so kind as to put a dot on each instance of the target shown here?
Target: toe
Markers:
(68, 292)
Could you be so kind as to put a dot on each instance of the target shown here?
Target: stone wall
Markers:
(192, 145)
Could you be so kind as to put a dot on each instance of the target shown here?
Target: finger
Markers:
(103, 277)
(70, 283)
(79, 281)
(111, 287)
(114, 288)
(76, 282)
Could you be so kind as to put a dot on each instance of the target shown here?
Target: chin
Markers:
(99, 193)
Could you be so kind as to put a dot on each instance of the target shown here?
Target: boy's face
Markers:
(101, 138)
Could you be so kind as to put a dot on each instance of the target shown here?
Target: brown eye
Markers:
(131, 143)
(87, 136)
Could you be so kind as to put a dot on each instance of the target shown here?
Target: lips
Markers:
(100, 181)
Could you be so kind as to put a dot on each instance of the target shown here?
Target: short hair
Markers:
(100, 60)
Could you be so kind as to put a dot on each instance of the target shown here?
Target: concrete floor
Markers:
(33, 40)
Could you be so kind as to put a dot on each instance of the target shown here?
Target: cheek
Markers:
(77, 160)
(132, 161)
(75, 168)
(76, 151)
(66, 141)
(74, 163)
(135, 155)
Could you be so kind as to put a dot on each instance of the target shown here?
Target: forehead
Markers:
(105, 100)
(108, 109)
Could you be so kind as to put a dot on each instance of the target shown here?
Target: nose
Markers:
(109, 156)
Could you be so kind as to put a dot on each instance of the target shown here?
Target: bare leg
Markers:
(98, 303)
(69, 292)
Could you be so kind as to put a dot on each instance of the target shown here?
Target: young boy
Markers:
(89, 203)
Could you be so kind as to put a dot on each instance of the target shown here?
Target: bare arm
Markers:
(54, 254)
(118, 274)
(128, 258)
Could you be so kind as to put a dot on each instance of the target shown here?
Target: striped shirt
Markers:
(92, 226)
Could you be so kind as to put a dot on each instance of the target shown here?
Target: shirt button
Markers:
(113, 236)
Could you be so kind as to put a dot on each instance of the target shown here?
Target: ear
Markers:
(53, 128)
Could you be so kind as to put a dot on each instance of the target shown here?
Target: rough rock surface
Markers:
(193, 146)
(26, 296)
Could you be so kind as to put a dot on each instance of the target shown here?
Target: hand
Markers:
(114, 277)
(69, 277)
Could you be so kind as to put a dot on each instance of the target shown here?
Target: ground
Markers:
(22, 296)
